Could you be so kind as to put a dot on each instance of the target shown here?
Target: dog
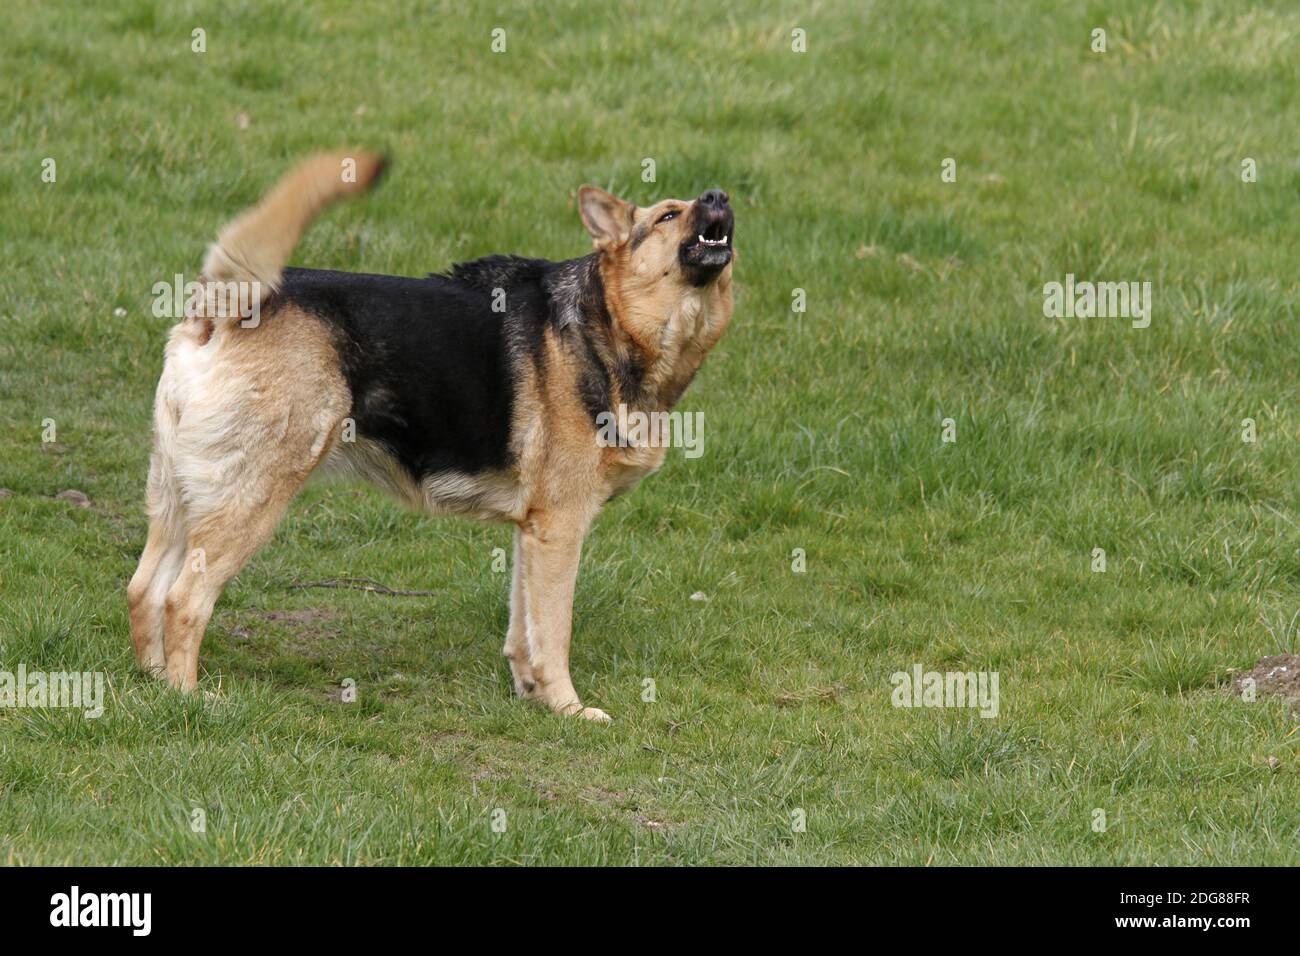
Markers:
(474, 392)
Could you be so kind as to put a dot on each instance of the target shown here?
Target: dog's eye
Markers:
(670, 214)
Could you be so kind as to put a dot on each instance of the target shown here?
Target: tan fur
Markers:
(243, 417)
(670, 324)
(241, 421)
(256, 246)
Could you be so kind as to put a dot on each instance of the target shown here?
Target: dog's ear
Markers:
(607, 218)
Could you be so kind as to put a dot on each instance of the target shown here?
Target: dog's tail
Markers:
(255, 247)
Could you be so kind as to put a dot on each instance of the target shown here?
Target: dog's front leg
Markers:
(516, 649)
(550, 547)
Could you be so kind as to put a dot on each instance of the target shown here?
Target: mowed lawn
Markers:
(823, 432)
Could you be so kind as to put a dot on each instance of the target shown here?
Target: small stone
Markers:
(699, 596)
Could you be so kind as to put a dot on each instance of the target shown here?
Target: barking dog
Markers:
(474, 393)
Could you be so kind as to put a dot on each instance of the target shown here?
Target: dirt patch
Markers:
(297, 619)
(303, 615)
(601, 795)
(1278, 675)
(790, 698)
(301, 631)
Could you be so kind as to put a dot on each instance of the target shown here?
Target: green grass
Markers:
(822, 433)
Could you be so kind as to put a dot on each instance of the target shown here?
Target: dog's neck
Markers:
(650, 336)
(663, 330)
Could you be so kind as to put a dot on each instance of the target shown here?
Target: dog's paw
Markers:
(574, 709)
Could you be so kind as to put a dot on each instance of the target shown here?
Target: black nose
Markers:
(713, 197)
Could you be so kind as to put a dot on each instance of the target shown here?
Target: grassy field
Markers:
(823, 432)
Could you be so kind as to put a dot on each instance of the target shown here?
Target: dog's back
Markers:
(426, 362)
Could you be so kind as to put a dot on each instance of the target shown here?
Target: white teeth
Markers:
(712, 242)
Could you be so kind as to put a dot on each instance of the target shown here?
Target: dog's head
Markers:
(666, 271)
(676, 241)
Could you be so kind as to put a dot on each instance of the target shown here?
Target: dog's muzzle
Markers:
(709, 250)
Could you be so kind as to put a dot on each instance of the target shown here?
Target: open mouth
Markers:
(714, 234)
(710, 250)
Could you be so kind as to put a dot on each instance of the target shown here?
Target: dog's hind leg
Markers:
(231, 511)
(164, 553)
(219, 544)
